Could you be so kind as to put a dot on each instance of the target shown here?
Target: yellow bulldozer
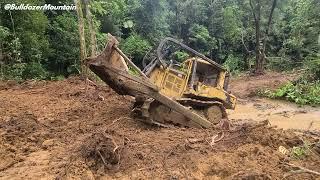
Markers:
(191, 93)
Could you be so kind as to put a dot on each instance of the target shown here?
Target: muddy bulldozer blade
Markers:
(111, 67)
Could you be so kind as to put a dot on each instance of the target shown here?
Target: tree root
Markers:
(103, 150)
(299, 171)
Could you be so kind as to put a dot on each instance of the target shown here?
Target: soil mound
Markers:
(72, 130)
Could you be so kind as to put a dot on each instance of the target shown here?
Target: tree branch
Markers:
(270, 16)
(246, 48)
(301, 170)
(269, 23)
(253, 11)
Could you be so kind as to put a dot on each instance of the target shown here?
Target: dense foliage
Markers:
(299, 92)
(45, 44)
(135, 47)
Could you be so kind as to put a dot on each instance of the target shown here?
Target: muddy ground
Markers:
(67, 130)
(280, 113)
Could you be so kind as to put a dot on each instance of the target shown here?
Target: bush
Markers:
(57, 78)
(312, 65)
(300, 152)
(281, 64)
(34, 70)
(4, 33)
(200, 39)
(180, 56)
(14, 71)
(10, 46)
(301, 92)
(63, 39)
(136, 47)
(234, 64)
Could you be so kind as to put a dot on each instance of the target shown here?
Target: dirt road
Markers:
(67, 130)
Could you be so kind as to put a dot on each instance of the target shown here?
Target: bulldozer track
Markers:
(186, 101)
(154, 112)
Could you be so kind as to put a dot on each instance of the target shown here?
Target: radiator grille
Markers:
(173, 83)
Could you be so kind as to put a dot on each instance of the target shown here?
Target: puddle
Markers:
(283, 114)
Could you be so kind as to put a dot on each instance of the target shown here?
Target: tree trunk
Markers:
(274, 3)
(256, 11)
(83, 52)
(177, 20)
(1, 61)
(246, 60)
(261, 42)
(93, 40)
(246, 53)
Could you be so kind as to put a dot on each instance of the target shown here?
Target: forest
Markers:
(244, 35)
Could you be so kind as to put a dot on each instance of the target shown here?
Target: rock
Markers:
(243, 153)
(317, 148)
(32, 139)
(88, 175)
(12, 149)
(48, 143)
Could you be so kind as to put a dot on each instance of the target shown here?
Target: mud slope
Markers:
(246, 86)
(65, 130)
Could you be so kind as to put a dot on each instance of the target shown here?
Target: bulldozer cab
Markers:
(203, 73)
